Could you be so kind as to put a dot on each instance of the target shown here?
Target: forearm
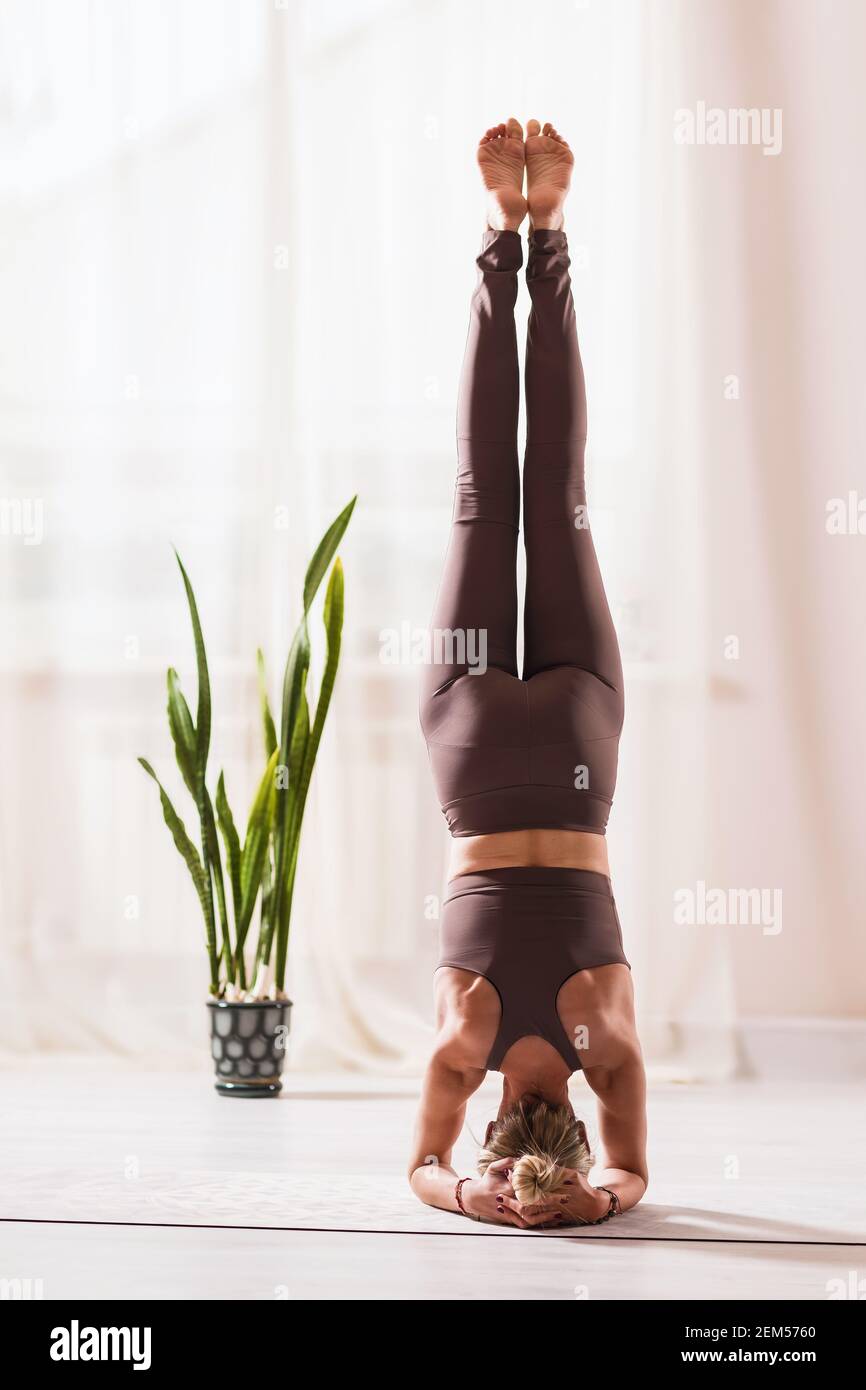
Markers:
(621, 1093)
(435, 1184)
(444, 1095)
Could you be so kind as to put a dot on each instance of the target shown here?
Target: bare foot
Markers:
(549, 163)
(500, 159)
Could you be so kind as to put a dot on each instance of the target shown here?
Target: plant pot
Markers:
(248, 1045)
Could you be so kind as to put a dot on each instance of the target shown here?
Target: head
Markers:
(543, 1139)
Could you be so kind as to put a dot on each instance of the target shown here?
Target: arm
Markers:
(444, 1095)
(621, 1092)
(446, 1089)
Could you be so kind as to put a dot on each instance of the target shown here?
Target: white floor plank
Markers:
(100, 1262)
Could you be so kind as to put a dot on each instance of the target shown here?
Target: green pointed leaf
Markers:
(294, 701)
(190, 855)
(300, 738)
(256, 841)
(203, 716)
(213, 864)
(182, 731)
(266, 922)
(231, 840)
(296, 738)
(324, 554)
(268, 727)
(267, 887)
(294, 687)
(210, 853)
(333, 620)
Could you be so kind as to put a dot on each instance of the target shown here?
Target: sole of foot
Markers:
(549, 162)
(501, 159)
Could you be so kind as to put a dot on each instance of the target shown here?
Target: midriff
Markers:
(515, 849)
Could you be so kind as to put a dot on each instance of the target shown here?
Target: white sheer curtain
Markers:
(133, 413)
(242, 249)
(382, 261)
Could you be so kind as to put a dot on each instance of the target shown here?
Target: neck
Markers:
(516, 1088)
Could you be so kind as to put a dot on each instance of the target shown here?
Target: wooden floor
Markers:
(115, 1183)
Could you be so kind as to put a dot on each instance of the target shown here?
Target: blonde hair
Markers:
(542, 1139)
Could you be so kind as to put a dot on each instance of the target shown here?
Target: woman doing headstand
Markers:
(533, 981)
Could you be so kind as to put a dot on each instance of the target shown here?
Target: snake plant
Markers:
(263, 868)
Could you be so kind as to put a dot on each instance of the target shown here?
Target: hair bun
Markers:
(533, 1176)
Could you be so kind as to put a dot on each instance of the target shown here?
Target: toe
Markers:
(514, 129)
(546, 128)
(533, 128)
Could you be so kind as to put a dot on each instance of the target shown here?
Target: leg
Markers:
(478, 592)
(567, 621)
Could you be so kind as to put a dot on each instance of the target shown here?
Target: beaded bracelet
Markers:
(459, 1196)
(613, 1210)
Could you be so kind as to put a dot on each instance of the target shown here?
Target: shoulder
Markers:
(467, 1019)
(596, 1007)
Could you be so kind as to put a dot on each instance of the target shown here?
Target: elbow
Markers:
(419, 1182)
(413, 1177)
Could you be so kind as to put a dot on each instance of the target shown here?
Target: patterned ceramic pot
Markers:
(248, 1045)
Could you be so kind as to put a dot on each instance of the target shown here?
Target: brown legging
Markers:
(493, 743)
